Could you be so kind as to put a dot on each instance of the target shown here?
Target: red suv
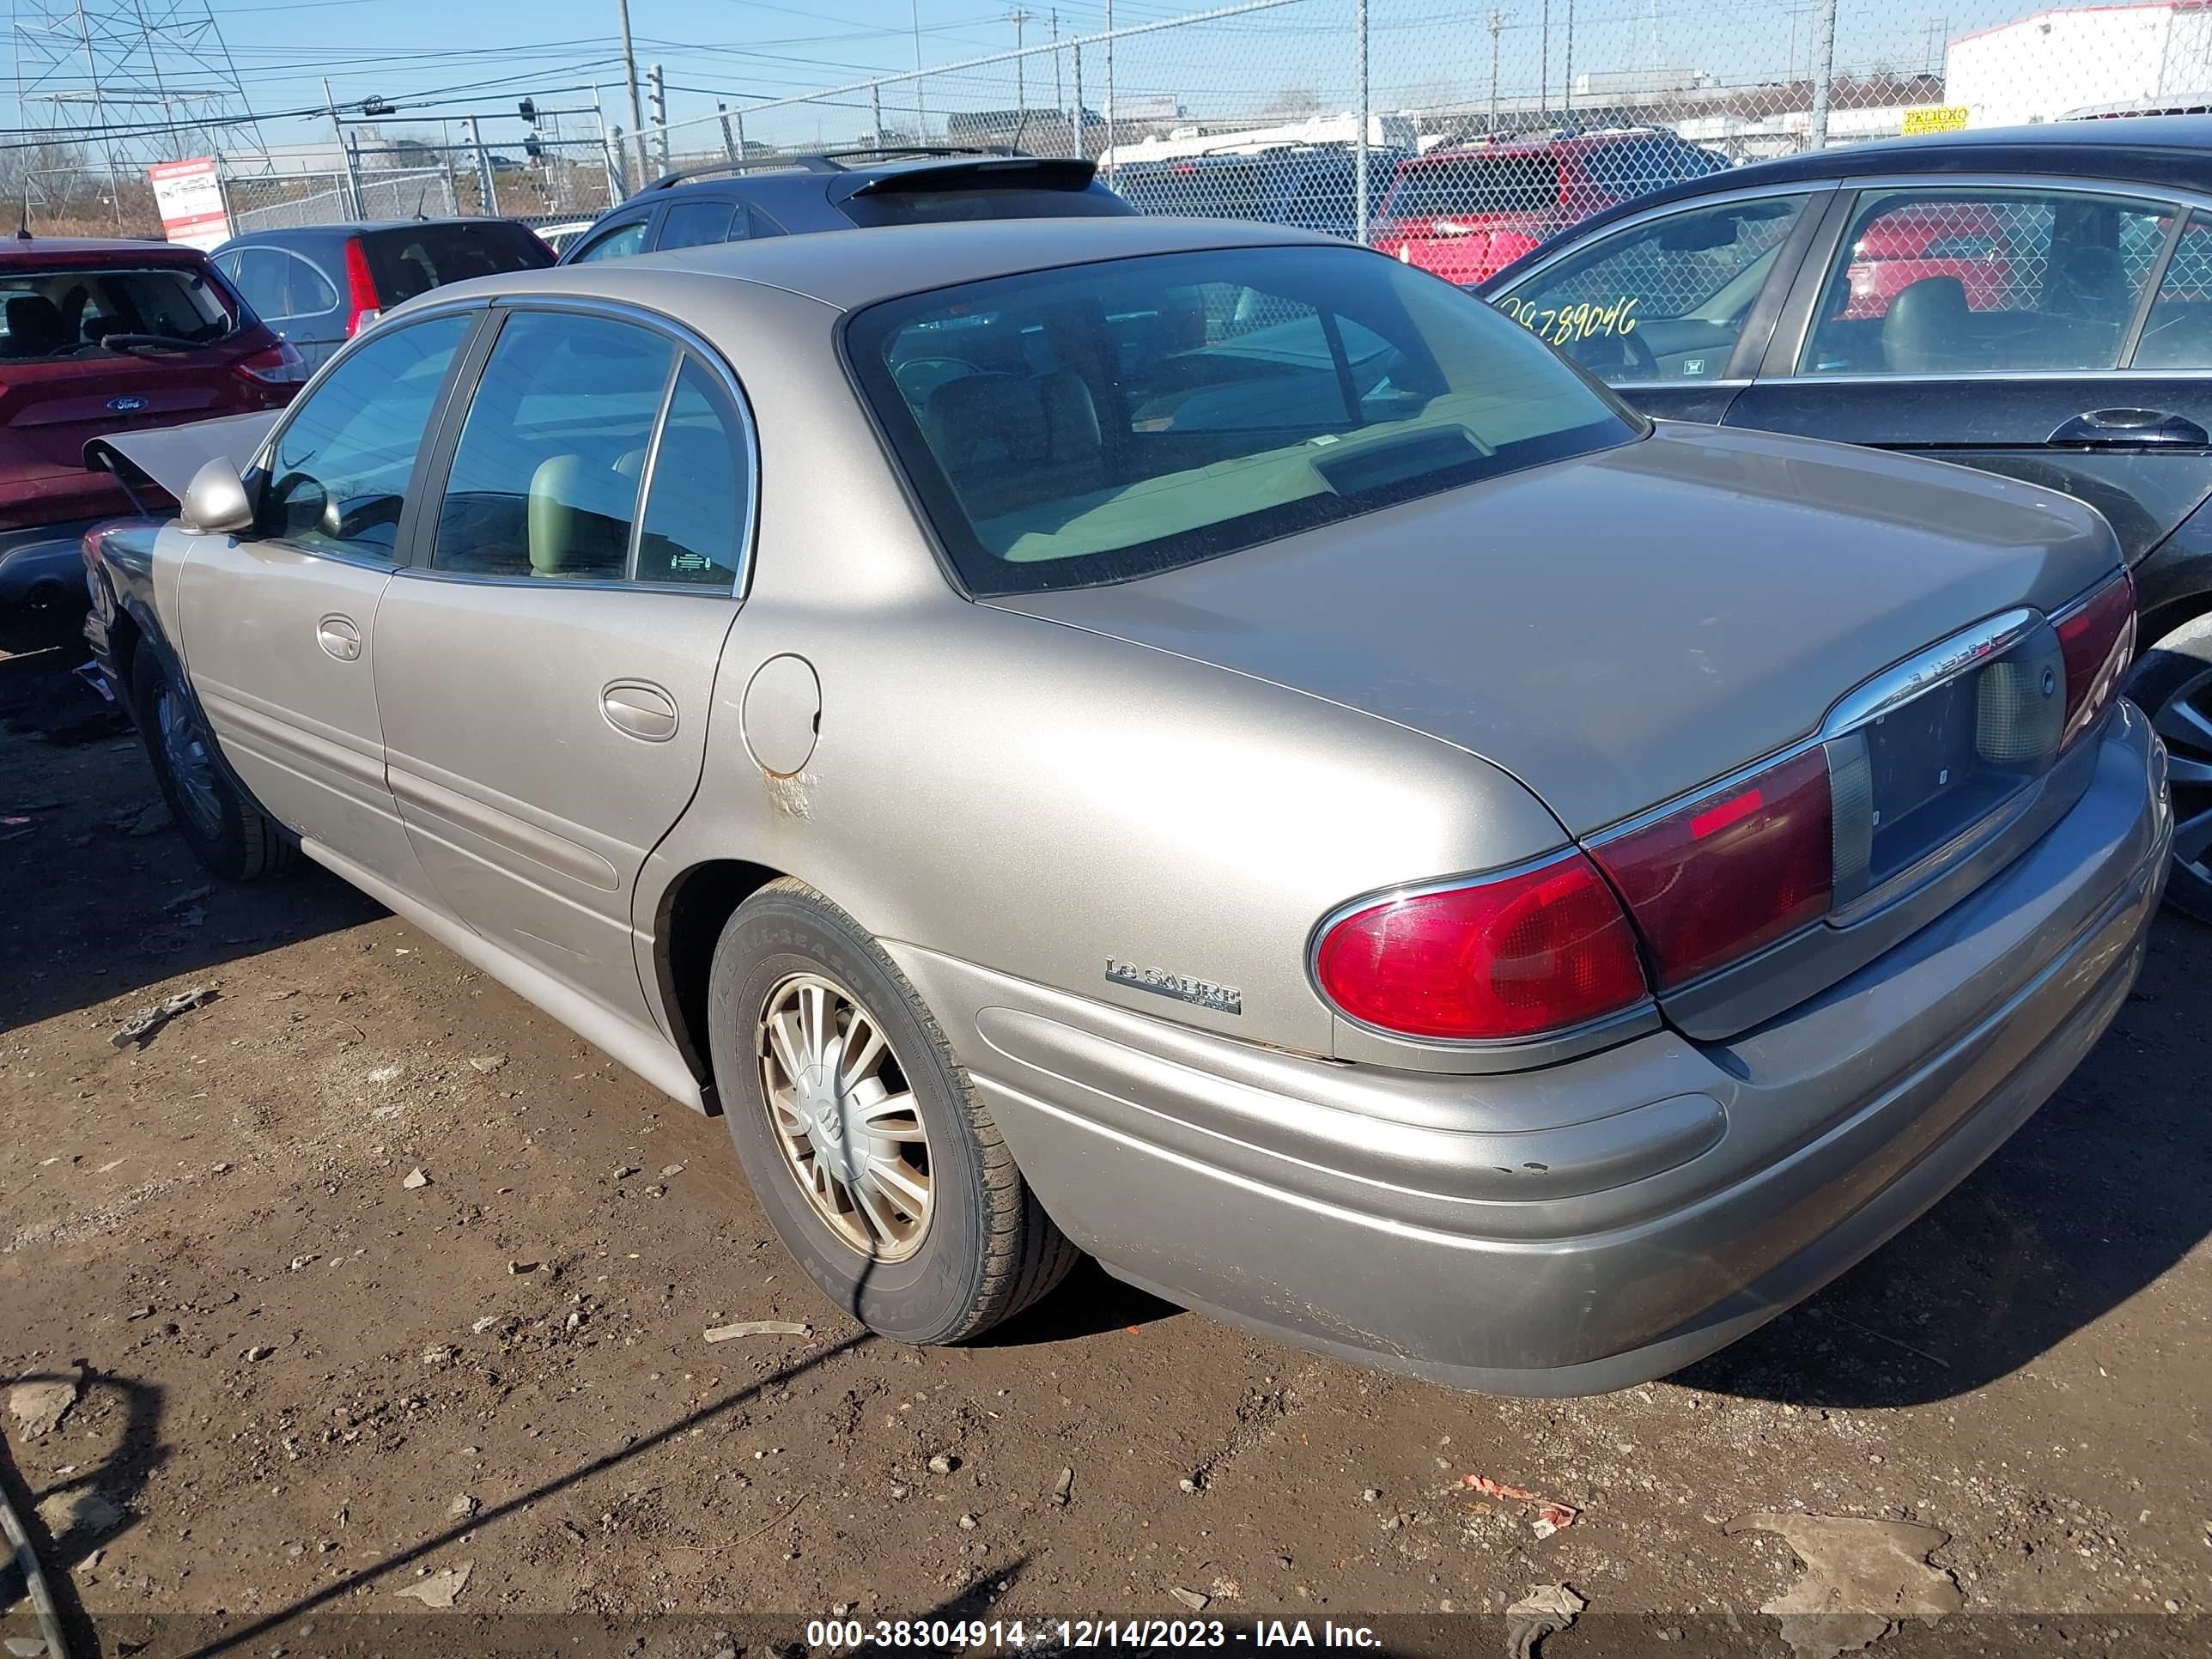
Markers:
(1467, 214)
(98, 337)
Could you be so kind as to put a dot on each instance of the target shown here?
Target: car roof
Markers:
(19, 252)
(849, 269)
(278, 234)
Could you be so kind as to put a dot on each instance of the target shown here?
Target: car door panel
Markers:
(531, 810)
(276, 628)
(298, 725)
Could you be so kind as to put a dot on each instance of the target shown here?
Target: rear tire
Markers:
(843, 1197)
(2171, 682)
(226, 832)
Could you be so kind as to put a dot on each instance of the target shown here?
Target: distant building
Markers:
(2090, 59)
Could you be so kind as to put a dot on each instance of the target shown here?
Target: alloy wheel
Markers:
(2185, 720)
(848, 1125)
(184, 747)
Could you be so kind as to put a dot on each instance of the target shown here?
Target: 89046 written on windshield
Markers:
(1103, 422)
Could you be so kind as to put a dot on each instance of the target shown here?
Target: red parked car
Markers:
(1910, 244)
(98, 337)
(1467, 214)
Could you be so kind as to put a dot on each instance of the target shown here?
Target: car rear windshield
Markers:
(1099, 423)
(938, 205)
(53, 315)
(1476, 185)
(415, 258)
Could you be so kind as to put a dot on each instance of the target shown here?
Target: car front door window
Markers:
(1959, 281)
(2178, 333)
(1664, 300)
(545, 480)
(339, 473)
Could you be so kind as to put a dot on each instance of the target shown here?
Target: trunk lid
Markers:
(1619, 628)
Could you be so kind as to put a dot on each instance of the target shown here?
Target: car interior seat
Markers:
(35, 327)
(1926, 330)
(579, 520)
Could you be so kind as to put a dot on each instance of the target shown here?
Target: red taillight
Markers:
(1717, 879)
(2098, 640)
(276, 365)
(361, 289)
(1535, 951)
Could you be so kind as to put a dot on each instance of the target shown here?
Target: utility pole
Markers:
(1056, 104)
(629, 80)
(1497, 24)
(487, 187)
(920, 115)
(1824, 72)
(1082, 138)
(1568, 104)
(659, 89)
(345, 161)
(1544, 68)
(729, 144)
(1018, 17)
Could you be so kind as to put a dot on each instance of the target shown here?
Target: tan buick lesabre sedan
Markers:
(1187, 742)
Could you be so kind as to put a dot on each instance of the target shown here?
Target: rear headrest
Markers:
(35, 328)
(985, 418)
(1925, 328)
(579, 516)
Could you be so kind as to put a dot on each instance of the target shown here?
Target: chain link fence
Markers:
(1461, 135)
(1456, 134)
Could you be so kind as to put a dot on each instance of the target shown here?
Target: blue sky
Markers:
(485, 55)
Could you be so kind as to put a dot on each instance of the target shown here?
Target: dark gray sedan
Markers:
(1192, 743)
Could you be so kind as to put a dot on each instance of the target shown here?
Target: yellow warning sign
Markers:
(1934, 118)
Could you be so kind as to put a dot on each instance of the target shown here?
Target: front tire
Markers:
(880, 1169)
(229, 834)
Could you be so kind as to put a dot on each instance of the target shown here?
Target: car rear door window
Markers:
(695, 224)
(338, 477)
(1666, 299)
(545, 480)
(278, 283)
(1963, 280)
(2178, 333)
(697, 506)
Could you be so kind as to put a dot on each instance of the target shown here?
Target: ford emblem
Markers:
(126, 405)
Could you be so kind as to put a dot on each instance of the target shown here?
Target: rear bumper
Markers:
(1598, 1223)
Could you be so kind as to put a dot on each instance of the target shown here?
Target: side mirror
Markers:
(216, 501)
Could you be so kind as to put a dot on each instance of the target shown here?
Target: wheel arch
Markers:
(688, 919)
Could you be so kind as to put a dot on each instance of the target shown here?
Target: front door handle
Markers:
(638, 710)
(338, 637)
(2130, 428)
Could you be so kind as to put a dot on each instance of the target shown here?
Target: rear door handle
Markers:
(338, 637)
(638, 710)
(2130, 428)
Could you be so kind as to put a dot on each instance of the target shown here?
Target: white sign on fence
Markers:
(190, 197)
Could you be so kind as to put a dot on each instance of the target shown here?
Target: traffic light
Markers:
(528, 108)
(534, 149)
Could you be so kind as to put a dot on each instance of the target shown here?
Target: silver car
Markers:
(1186, 742)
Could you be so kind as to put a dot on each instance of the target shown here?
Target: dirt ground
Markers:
(315, 1380)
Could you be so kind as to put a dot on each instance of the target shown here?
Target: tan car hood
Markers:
(1620, 628)
(170, 455)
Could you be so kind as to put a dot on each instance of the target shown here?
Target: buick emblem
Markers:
(126, 405)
